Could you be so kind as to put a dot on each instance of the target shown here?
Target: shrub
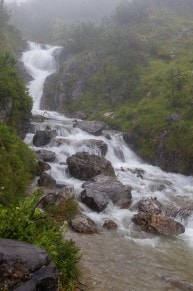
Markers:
(40, 228)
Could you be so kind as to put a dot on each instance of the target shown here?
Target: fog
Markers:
(31, 16)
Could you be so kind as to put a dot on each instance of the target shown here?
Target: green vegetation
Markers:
(143, 59)
(17, 166)
(20, 217)
(45, 230)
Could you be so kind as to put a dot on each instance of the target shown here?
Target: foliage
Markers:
(179, 87)
(40, 228)
(17, 165)
(13, 90)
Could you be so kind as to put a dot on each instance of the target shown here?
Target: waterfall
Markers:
(169, 188)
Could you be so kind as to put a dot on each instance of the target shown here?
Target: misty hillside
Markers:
(37, 18)
(135, 72)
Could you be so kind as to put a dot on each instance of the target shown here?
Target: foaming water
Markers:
(39, 63)
(127, 259)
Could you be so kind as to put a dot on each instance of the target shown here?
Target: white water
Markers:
(167, 187)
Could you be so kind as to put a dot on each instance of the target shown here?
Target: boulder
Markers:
(138, 172)
(43, 137)
(94, 144)
(46, 155)
(84, 166)
(150, 205)
(26, 267)
(92, 127)
(83, 224)
(100, 190)
(43, 166)
(110, 224)
(46, 180)
(158, 224)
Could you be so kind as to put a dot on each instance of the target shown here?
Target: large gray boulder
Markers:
(46, 155)
(92, 127)
(26, 267)
(43, 137)
(101, 189)
(84, 166)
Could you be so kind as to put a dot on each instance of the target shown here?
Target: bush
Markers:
(40, 228)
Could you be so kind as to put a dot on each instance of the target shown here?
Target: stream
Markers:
(126, 258)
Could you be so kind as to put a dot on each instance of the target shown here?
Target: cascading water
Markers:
(127, 259)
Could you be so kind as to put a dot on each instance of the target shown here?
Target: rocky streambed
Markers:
(135, 226)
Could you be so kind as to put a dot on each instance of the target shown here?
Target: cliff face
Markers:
(69, 83)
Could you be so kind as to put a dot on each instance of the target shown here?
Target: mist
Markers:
(36, 18)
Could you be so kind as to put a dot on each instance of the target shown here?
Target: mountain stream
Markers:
(128, 258)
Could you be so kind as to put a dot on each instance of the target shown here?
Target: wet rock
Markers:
(138, 172)
(80, 115)
(100, 190)
(46, 180)
(123, 203)
(46, 155)
(110, 224)
(183, 214)
(130, 140)
(43, 166)
(108, 136)
(43, 137)
(92, 144)
(158, 224)
(92, 127)
(83, 224)
(56, 196)
(26, 267)
(84, 166)
(150, 205)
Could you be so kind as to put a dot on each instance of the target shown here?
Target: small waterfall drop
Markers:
(39, 63)
(128, 252)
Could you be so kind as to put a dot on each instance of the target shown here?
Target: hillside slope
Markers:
(18, 164)
(135, 72)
